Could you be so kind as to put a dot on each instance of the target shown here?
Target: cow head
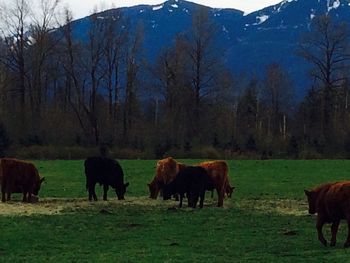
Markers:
(121, 190)
(153, 190)
(38, 185)
(229, 190)
(311, 199)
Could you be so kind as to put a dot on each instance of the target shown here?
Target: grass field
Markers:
(265, 221)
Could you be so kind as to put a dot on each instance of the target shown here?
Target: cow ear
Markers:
(307, 192)
(148, 184)
(42, 179)
(126, 185)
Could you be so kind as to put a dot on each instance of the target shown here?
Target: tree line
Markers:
(101, 90)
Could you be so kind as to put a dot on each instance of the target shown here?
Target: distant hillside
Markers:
(251, 42)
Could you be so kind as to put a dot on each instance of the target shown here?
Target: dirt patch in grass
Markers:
(54, 206)
(46, 206)
(279, 206)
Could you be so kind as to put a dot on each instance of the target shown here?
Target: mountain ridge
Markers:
(251, 41)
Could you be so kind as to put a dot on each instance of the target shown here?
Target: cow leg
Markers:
(319, 226)
(347, 243)
(221, 194)
(3, 199)
(24, 199)
(195, 200)
(201, 202)
(181, 197)
(29, 197)
(92, 193)
(105, 189)
(334, 230)
(189, 199)
(8, 198)
(212, 194)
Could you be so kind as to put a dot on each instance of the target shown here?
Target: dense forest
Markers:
(63, 97)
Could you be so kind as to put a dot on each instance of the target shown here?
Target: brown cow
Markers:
(218, 171)
(331, 202)
(19, 177)
(168, 168)
(166, 172)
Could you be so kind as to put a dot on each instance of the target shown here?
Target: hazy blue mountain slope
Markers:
(250, 41)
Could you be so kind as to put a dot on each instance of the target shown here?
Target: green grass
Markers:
(265, 221)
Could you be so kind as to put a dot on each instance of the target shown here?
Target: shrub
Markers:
(128, 153)
(310, 153)
(205, 152)
(52, 152)
(30, 140)
(293, 147)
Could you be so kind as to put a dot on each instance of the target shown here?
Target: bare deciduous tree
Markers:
(326, 48)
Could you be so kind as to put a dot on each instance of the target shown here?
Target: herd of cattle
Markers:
(331, 201)
(172, 178)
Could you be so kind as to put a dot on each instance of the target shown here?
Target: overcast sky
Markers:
(83, 8)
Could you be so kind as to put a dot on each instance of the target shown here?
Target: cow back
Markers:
(20, 175)
(332, 200)
(218, 171)
(104, 170)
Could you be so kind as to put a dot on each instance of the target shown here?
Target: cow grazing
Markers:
(331, 202)
(192, 180)
(166, 172)
(168, 168)
(228, 190)
(19, 177)
(106, 172)
(218, 171)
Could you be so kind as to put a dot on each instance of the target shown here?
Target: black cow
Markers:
(106, 172)
(192, 180)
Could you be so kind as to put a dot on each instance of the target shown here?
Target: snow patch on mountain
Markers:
(261, 19)
(157, 7)
(334, 5)
(282, 5)
(312, 14)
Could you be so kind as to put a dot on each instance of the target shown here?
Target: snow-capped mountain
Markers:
(251, 41)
